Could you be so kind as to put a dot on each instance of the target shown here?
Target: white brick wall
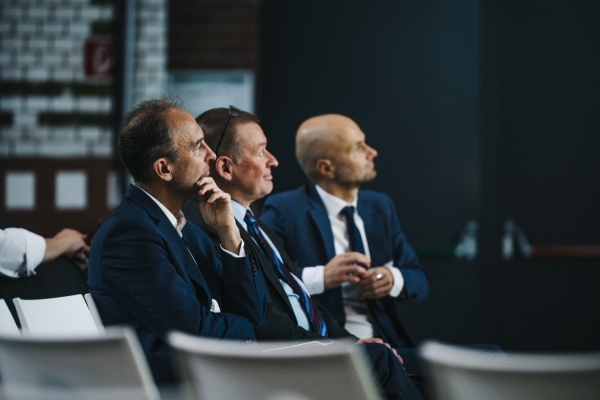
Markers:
(42, 41)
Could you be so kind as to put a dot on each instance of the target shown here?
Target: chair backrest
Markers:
(227, 370)
(462, 373)
(58, 316)
(8, 325)
(108, 367)
(89, 299)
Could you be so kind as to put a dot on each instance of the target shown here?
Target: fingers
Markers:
(374, 284)
(343, 268)
(374, 288)
(208, 187)
(377, 292)
(395, 353)
(354, 257)
(205, 180)
(370, 340)
(377, 340)
(398, 357)
(224, 197)
(354, 271)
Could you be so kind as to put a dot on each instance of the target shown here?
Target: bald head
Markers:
(323, 137)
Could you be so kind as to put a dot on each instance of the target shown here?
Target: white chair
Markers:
(7, 322)
(89, 299)
(461, 373)
(58, 316)
(110, 367)
(227, 370)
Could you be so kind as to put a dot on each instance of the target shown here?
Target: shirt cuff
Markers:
(214, 307)
(35, 249)
(398, 281)
(242, 251)
(314, 279)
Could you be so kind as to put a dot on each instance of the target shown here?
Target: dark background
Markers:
(485, 110)
(479, 110)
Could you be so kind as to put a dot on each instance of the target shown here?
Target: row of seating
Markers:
(64, 351)
(61, 316)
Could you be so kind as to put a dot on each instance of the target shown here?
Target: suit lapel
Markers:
(201, 271)
(264, 264)
(172, 238)
(318, 214)
(374, 232)
(181, 252)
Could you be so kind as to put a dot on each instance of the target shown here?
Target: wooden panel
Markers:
(45, 219)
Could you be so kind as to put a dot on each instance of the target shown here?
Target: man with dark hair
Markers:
(330, 219)
(243, 169)
(152, 270)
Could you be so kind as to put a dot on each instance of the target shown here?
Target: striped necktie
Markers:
(314, 315)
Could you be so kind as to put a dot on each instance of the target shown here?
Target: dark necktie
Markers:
(356, 243)
(384, 324)
(314, 315)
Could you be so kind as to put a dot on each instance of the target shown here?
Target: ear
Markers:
(224, 168)
(325, 168)
(163, 168)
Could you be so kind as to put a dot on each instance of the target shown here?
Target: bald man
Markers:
(351, 252)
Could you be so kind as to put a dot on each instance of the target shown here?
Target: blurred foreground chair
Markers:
(89, 299)
(461, 373)
(58, 316)
(7, 323)
(111, 367)
(226, 370)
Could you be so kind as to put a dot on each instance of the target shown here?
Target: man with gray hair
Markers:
(243, 169)
(151, 269)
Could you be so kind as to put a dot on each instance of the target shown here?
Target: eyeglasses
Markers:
(233, 112)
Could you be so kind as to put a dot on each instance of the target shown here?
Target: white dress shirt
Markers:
(240, 213)
(358, 320)
(21, 252)
(178, 223)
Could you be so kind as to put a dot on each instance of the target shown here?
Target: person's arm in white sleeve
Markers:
(21, 252)
(313, 279)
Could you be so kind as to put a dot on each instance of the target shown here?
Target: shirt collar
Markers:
(239, 212)
(334, 205)
(178, 221)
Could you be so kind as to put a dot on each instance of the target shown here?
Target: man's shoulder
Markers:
(376, 203)
(289, 198)
(371, 195)
(128, 215)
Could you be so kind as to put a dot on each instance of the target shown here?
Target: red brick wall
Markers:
(213, 34)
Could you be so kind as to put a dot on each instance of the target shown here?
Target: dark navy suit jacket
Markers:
(142, 273)
(300, 219)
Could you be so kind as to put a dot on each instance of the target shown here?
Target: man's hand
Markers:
(373, 288)
(343, 268)
(215, 207)
(68, 242)
(377, 340)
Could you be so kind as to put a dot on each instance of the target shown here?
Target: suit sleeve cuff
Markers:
(314, 279)
(398, 281)
(242, 251)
